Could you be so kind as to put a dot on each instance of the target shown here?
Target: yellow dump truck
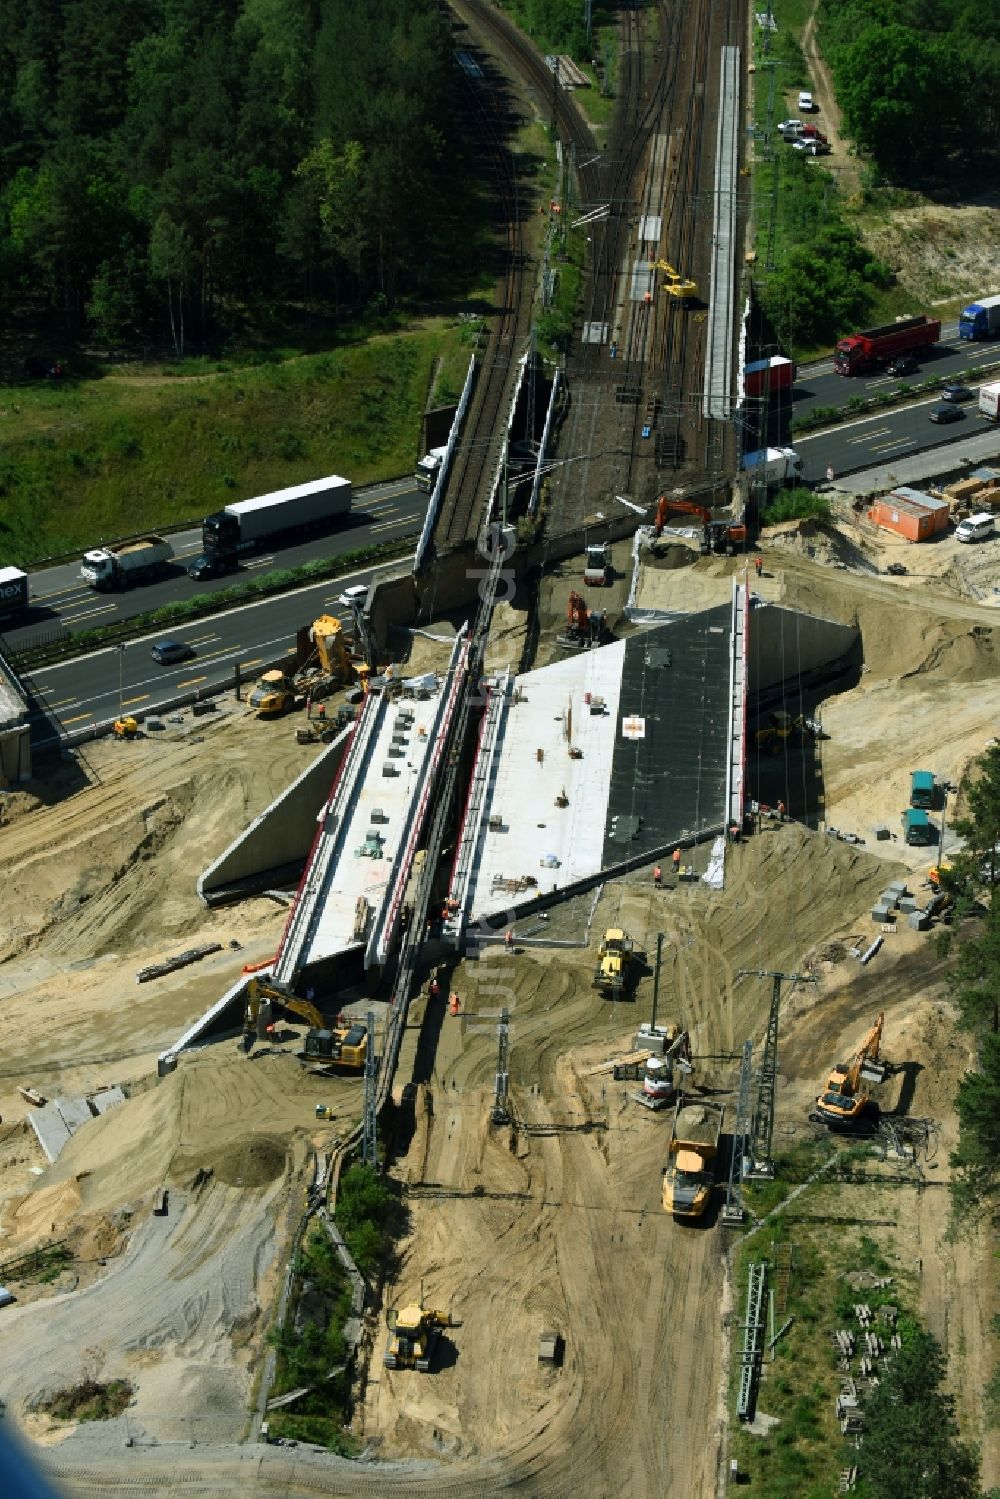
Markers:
(689, 1174)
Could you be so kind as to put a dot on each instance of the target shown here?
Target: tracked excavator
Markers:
(346, 1045)
(719, 536)
(679, 288)
(842, 1103)
(584, 627)
(659, 1078)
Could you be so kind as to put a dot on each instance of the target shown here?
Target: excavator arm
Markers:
(259, 991)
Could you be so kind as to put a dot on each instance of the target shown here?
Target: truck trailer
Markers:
(126, 562)
(989, 400)
(980, 320)
(868, 350)
(768, 376)
(767, 466)
(689, 1174)
(13, 593)
(250, 523)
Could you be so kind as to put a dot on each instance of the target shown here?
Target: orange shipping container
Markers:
(911, 514)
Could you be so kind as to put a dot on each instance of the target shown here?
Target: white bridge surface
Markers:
(529, 844)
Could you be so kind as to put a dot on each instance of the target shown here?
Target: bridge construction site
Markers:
(562, 922)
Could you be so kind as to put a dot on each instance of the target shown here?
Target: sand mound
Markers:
(245, 1163)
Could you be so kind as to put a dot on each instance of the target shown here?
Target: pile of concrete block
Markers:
(898, 900)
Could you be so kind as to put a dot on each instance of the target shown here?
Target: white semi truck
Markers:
(251, 523)
(768, 466)
(126, 562)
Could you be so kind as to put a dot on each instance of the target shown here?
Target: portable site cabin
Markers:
(923, 789)
(910, 513)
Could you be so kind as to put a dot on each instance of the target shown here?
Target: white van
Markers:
(975, 527)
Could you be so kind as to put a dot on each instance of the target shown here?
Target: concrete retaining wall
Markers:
(786, 644)
(280, 836)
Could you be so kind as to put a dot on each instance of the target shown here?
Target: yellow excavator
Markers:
(346, 1045)
(843, 1101)
(413, 1333)
(616, 958)
(676, 286)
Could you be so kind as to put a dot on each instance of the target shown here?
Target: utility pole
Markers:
(369, 1135)
(121, 681)
(732, 1212)
(944, 808)
(656, 981)
(761, 1162)
(500, 1113)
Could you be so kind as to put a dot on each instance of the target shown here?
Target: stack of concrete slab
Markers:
(898, 899)
(58, 1120)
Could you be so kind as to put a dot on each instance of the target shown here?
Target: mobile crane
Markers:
(719, 536)
(843, 1101)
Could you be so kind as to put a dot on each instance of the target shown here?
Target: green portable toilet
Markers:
(922, 788)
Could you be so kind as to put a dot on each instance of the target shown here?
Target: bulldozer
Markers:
(617, 958)
(843, 1102)
(414, 1331)
(785, 728)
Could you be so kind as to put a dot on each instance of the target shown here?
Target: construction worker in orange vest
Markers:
(676, 857)
(657, 876)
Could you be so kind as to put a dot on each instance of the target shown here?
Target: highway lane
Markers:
(72, 697)
(951, 358)
(60, 601)
(899, 432)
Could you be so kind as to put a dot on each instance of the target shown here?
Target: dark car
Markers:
(956, 393)
(169, 652)
(945, 414)
(212, 565)
(903, 364)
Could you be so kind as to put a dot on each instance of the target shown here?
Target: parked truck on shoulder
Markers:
(251, 523)
(989, 400)
(13, 593)
(767, 466)
(768, 376)
(126, 562)
(980, 320)
(689, 1174)
(860, 352)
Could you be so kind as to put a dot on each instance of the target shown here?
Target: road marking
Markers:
(867, 436)
(88, 613)
(891, 447)
(126, 701)
(204, 639)
(64, 702)
(389, 525)
(79, 717)
(259, 562)
(193, 681)
(257, 661)
(56, 593)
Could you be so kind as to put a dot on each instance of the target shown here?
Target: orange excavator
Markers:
(583, 626)
(843, 1101)
(717, 535)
